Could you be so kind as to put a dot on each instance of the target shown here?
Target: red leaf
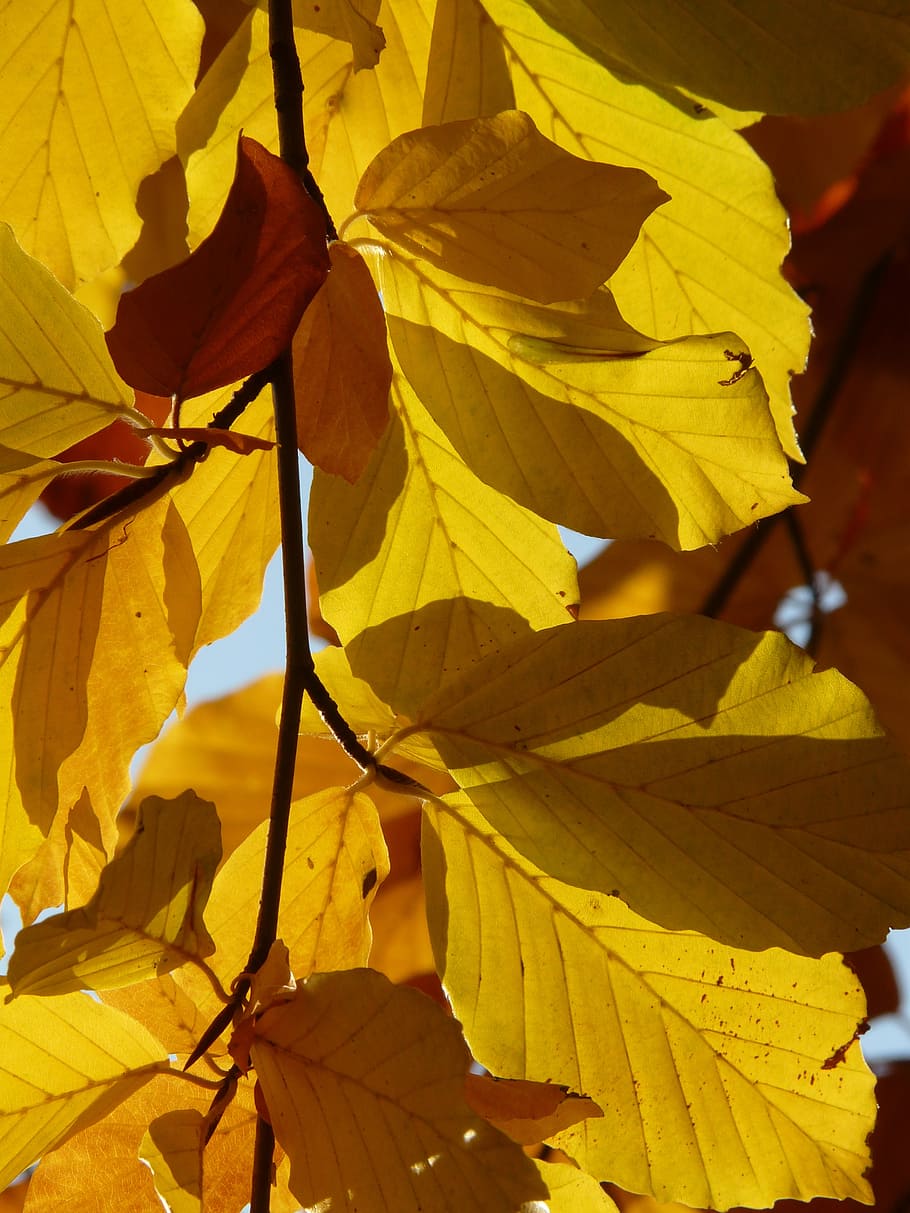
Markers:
(234, 304)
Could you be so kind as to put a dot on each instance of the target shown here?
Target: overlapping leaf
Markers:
(700, 772)
(336, 857)
(578, 417)
(173, 1149)
(364, 1086)
(233, 305)
(467, 72)
(90, 96)
(725, 1077)
(783, 59)
(707, 261)
(64, 1061)
(342, 369)
(494, 201)
(146, 916)
(462, 586)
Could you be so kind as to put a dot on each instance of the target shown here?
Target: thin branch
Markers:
(809, 571)
(163, 477)
(263, 1154)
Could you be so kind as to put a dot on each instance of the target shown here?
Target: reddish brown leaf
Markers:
(875, 971)
(234, 304)
(342, 370)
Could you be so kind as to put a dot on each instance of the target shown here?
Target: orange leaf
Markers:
(528, 1112)
(342, 369)
(234, 304)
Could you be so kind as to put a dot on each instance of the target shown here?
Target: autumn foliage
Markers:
(532, 888)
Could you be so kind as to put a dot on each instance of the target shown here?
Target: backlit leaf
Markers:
(90, 95)
(467, 72)
(173, 1148)
(57, 382)
(336, 857)
(783, 58)
(364, 1086)
(528, 1112)
(232, 306)
(724, 1076)
(462, 583)
(573, 1191)
(146, 916)
(64, 1061)
(494, 201)
(700, 772)
(708, 260)
(342, 369)
(581, 419)
(351, 21)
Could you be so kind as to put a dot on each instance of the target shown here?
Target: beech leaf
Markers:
(233, 305)
(173, 1149)
(725, 1077)
(528, 1112)
(364, 1083)
(493, 200)
(62, 1061)
(144, 919)
(701, 772)
(342, 369)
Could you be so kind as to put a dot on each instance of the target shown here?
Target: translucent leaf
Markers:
(146, 916)
(725, 1077)
(173, 1148)
(351, 21)
(494, 201)
(462, 584)
(97, 626)
(783, 59)
(581, 419)
(364, 1086)
(528, 1112)
(90, 96)
(336, 857)
(58, 382)
(467, 72)
(700, 772)
(64, 1061)
(573, 1191)
(342, 369)
(233, 305)
(709, 259)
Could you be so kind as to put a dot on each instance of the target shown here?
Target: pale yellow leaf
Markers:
(779, 58)
(494, 201)
(91, 92)
(57, 381)
(173, 1148)
(342, 369)
(581, 419)
(725, 1077)
(708, 260)
(64, 1061)
(146, 916)
(573, 1191)
(701, 772)
(336, 857)
(97, 628)
(22, 480)
(352, 21)
(364, 1085)
(464, 584)
(467, 72)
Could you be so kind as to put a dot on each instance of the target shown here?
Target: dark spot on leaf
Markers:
(369, 881)
(309, 863)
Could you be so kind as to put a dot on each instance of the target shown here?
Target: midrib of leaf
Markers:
(558, 909)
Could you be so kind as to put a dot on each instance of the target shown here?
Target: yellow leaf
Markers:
(58, 382)
(364, 1085)
(573, 1191)
(351, 21)
(146, 916)
(578, 417)
(66, 869)
(64, 1061)
(90, 96)
(494, 201)
(782, 58)
(172, 1147)
(97, 627)
(336, 858)
(699, 771)
(22, 480)
(528, 1112)
(708, 260)
(462, 584)
(467, 73)
(342, 369)
(725, 1077)
(164, 1008)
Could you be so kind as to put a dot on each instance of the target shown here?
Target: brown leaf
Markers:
(342, 369)
(233, 305)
